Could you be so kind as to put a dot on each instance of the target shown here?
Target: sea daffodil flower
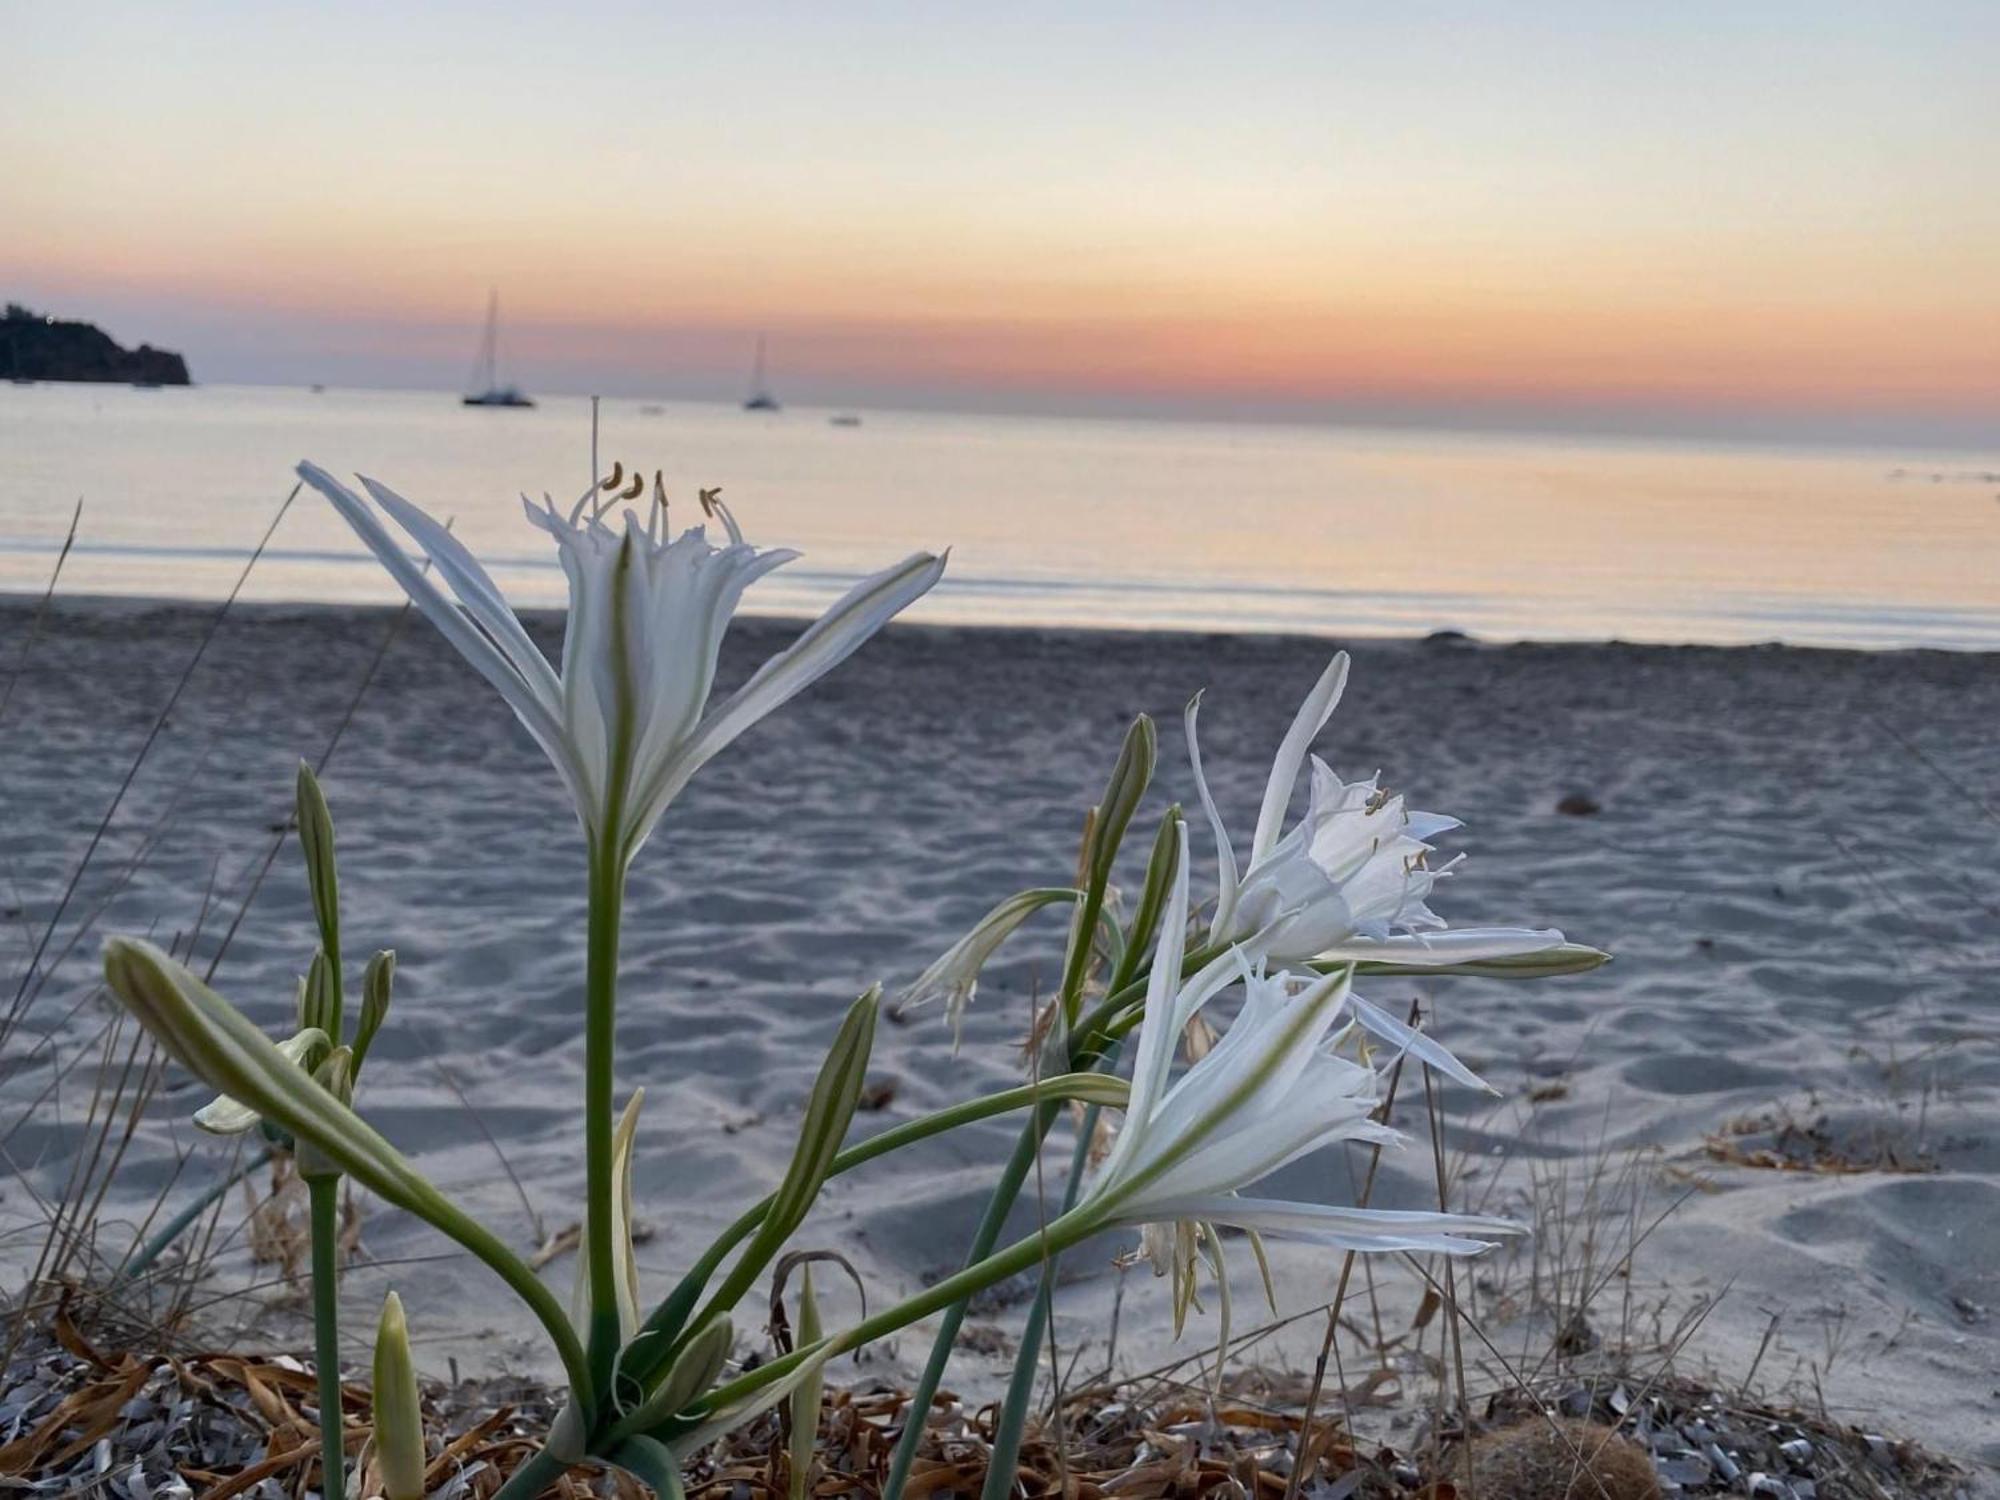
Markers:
(1268, 1092)
(627, 720)
(1351, 880)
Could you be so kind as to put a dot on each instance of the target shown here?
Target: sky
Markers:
(1760, 216)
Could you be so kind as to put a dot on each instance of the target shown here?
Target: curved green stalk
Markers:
(671, 1316)
(323, 1196)
(1060, 1234)
(219, 1045)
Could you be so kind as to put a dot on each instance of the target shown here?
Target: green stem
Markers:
(607, 900)
(323, 1195)
(983, 1238)
(670, 1318)
(1060, 1234)
(1013, 1419)
(1087, 1043)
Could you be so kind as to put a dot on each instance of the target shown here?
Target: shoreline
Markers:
(549, 619)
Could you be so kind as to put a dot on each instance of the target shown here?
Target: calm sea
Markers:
(1053, 522)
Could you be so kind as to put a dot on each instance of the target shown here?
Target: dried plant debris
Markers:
(77, 1421)
(1781, 1141)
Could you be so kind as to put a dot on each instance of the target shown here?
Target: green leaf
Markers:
(625, 1260)
(651, 1462)
(691, 1375)
(335, 1074)
(805, 1400)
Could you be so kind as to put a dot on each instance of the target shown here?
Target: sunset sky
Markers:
(1776, 215)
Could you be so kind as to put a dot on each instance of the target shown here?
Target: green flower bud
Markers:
(319, 1001)
(376, 981)
(399, 1417)
(316, 843)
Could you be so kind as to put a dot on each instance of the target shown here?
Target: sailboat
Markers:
(488, 391)
(760, 397)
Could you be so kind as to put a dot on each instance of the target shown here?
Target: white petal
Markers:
(1311, 718)
(1153, 1057)
(1416, 1043)
(824, 645)
(1225, 857)
(475, 588)
(486, 658)
(1365, 1229)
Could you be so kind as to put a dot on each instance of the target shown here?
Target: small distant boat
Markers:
(317, 389)
(760, 397)
(844, 419)
(487, 389)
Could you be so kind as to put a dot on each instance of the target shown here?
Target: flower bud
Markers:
(376, 981)
(399, 1417)
(319, 1002)
(316, 843)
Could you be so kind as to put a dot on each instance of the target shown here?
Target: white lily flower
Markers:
(1269, 1092)
(1351, 880)
(626, 721)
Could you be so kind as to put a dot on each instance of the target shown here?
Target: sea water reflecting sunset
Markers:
(1136, 524)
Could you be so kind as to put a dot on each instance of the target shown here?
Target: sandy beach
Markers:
(1793, 858)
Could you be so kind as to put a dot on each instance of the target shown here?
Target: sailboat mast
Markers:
(490, 349)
